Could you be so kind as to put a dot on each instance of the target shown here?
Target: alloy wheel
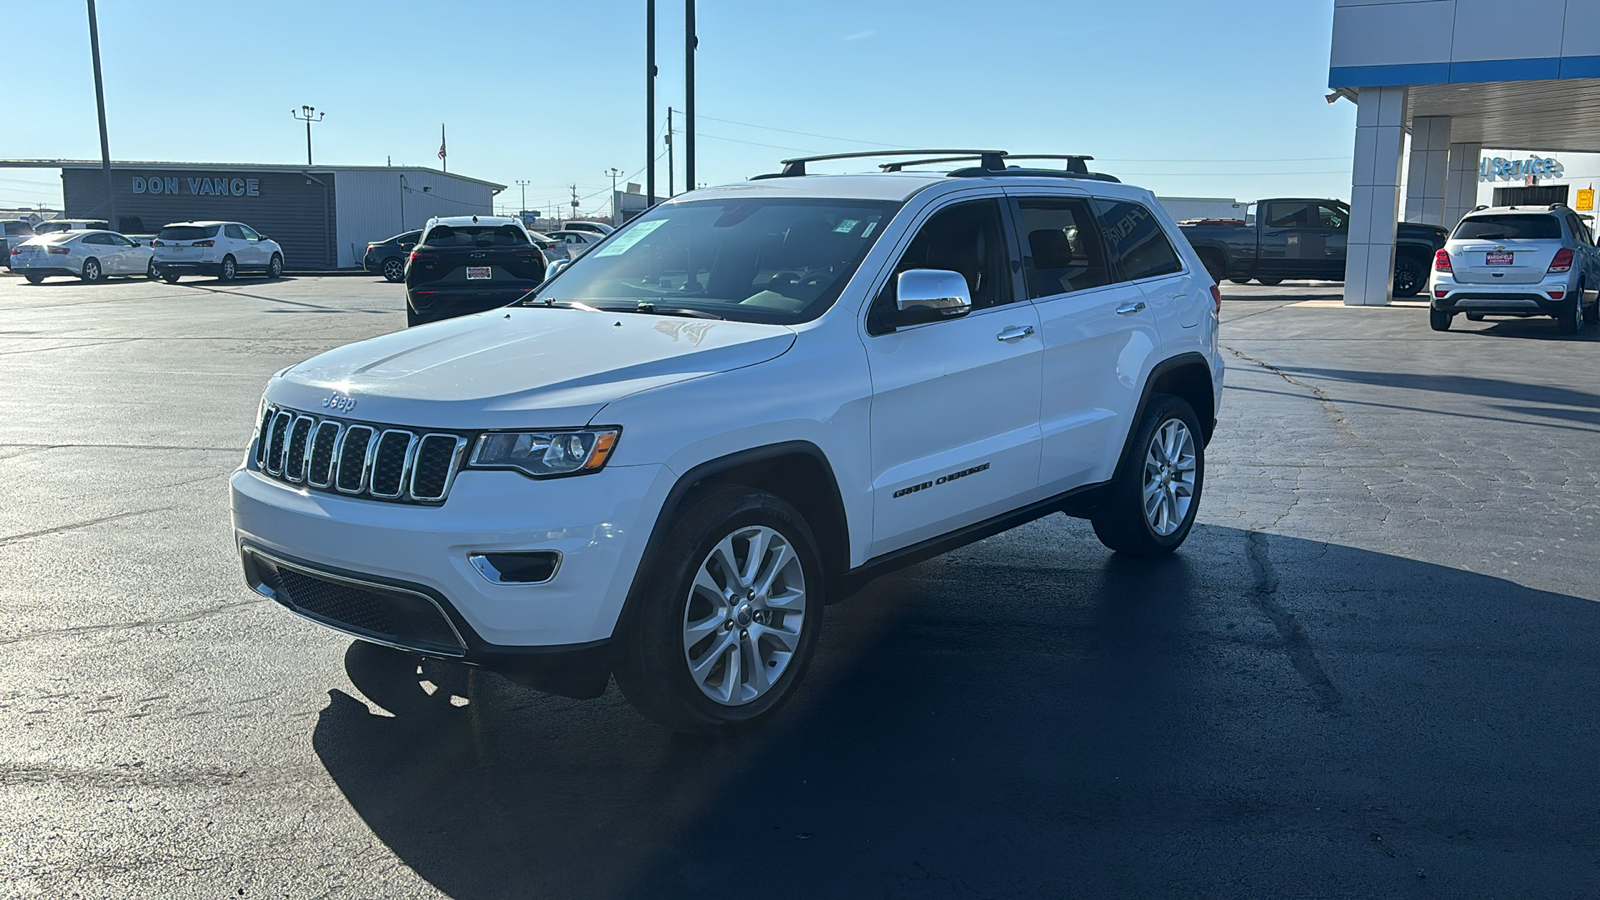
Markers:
(744, 615)
(393, 270)
(1169, 477)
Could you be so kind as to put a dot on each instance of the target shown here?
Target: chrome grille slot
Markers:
(377, 462)
(353, 456)
(319, 471)
(294, 454)
(389, 464)
(275, 439)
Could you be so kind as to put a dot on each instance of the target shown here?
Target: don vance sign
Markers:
(197, 187)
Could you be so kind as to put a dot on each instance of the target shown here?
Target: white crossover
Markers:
(89, 255)
(222, 249)
(665, 461)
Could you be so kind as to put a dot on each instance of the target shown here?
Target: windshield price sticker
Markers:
(624, 242)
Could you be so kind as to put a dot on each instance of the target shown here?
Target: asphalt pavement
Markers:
(1372, 671)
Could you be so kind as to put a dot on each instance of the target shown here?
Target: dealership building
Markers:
(322, 216)
(1457, 76)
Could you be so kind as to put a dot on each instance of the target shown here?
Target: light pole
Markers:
(308, 114)
(691, 42)
(100, 104)
(614, 172)
(524, 185)
(649, 102)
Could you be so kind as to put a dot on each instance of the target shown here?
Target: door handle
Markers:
(1130, 308)
(1015, 332)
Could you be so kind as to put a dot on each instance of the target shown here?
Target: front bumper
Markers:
(1548, 298)
(390, 552)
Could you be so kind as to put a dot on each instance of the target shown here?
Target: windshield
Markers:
(1509, 227)
(781, 261)
(187, 232)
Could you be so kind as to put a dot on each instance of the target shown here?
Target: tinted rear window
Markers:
(18, 228)
(476, 236)
(1508, 228)
(187, 232)
(1136, 239)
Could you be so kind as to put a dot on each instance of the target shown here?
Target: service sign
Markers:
(204, 186)
(1501, 169)
(1585, 200)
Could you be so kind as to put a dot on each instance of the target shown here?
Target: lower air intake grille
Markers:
(390, 615)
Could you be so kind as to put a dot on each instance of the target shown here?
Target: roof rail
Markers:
(990, 159)
(1559, 204)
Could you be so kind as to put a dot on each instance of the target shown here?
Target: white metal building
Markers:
(1457, 76)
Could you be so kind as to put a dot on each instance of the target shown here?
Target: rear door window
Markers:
(1508, 227)
(1139, 246)
(233, 231)
(1062, 249)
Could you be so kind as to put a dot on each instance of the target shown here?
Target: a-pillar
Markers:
(1461, 185)
(1425, 177)
(1375, 195)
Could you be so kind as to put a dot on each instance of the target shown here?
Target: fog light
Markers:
(517, 567)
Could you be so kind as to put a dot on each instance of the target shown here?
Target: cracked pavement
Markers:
(1372, 670)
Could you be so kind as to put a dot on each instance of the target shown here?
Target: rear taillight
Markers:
(204, 244)
(1440, 292)
(157, 244)
(15, 250)
(1556, 294)
(60, 251)
(526, 254)
(423, 254)
(1562, 263)
(1441, 262)
(1216, 299)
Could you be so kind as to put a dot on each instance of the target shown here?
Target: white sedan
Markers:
(90, 255)
(578, 242)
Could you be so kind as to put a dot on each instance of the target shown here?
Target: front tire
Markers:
(275, 267)
(729, 616)
(229, 270)
(1151, 503)
(1474, 317)
(1239, 280)
(92, 272)
(170, 277)
(1270, 282)
(394, 270)
(34, 279)
(1439, 320)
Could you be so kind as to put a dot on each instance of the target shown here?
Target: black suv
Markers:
(388, 257)
(467, 264)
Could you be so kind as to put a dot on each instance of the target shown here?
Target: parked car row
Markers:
(221, 249)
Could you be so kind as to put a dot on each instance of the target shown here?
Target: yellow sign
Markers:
(1586, 199)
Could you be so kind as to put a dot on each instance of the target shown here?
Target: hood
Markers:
(521, 368)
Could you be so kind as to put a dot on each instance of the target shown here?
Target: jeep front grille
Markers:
(379, 462)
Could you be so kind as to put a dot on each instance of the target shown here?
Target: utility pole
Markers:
(308, 114)
(100, 105)
(671, 165)
(614, 172)
(650, 101)
(691, 41)
(524, 185)
(574, 201)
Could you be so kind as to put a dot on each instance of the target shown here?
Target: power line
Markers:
(826, 137)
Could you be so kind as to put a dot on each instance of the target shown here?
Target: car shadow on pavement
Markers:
(1257, 716)
(1468, 385)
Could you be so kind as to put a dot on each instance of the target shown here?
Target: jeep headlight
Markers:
(545, 453)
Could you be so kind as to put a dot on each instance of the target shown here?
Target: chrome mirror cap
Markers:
(942, 294)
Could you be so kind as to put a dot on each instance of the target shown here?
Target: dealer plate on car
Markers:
(1498, 259)
(475, 273)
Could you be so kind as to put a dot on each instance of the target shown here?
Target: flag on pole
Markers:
(442, 153)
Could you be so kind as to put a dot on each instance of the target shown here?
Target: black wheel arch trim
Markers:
(685, 486)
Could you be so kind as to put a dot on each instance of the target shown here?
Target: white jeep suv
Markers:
(745, 404)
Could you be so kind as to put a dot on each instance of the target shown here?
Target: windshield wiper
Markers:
(530, 303)
(649, 308)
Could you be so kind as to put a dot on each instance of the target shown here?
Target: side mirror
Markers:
(931, 295)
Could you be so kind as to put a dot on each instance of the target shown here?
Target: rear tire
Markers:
(275, 267)
(1239, 280)
(34, 279)
(170, 277)
(229, 270)
(748, 628)
(1474, 317)
(1215, 267)
(92, 271)
(150, 270)
(1439, 320)
(394, 270)
(1410, 275)
(1591, 313)
(1151, 503)
(1270, 282)
(1570, 320)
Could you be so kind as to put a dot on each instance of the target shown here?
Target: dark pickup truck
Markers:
(1304, 238)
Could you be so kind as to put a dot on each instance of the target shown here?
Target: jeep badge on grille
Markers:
(338, 401)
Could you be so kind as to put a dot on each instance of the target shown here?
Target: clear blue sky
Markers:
(1219, 99)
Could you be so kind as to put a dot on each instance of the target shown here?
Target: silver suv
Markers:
(1517, 261)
